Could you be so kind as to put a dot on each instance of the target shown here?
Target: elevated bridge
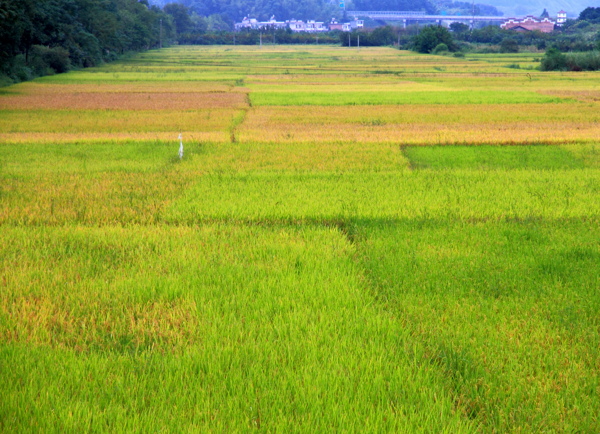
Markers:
(420, 16)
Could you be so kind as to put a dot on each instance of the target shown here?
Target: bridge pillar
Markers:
(472, 22)
(404, 23)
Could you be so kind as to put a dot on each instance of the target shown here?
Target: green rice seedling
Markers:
(365, 97)
(492, 157)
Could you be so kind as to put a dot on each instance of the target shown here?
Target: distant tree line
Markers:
(573, 47)
(38, 37)
(579, 35)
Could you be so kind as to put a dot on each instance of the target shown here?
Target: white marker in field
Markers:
(180, 147)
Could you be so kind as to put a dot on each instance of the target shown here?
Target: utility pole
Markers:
(357, 42)
(234, 38)
(160, 35)
(260, 39)
(349, 44)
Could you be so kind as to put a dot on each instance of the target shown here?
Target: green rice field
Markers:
(353, 241)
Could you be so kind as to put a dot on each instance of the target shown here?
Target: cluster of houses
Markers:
(309, 26)
(526, 24)
(531, 23)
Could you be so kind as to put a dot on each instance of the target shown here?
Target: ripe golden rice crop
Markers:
(100, 198)
(302, 157)
(425, 124)
(23, 126)
(99, 137)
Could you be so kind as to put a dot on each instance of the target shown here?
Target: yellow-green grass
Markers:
(494, 157)
(463, 195)
(509, 311)
(393, 96)
(218, 327)
(302, 268)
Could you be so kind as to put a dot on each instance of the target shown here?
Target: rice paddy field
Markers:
(356, 241)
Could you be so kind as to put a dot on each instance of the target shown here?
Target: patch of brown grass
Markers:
(580, 95)
(99, 324)
(96, 199)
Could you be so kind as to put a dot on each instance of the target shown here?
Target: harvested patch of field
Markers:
(37, 88)
(125, 101)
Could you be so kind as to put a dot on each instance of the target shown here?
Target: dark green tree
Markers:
(509, 45)
(591, 15)
(181, 17)
(459, 28)
(554, 60)
(430, 37)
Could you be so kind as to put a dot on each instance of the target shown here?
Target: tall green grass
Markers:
(508, 311)
(492, 157)
(364, 97)
(216, 327)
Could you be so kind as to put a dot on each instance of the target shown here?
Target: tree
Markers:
(382, 36)
(430, 37)
(459, 28)
(40, 36)
(554, 60)
(217, 23)
(590, 14)
(509, 45)
(440, 49)
(181, 17)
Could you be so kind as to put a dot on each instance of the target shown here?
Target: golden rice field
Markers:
(362, 240)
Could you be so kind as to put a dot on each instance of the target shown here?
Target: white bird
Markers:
(180, 147)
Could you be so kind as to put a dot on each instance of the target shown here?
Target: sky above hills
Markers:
(535, 7)
(510, 8)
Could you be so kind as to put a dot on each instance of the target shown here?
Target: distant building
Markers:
(294, 25)
(529, 24)
(334, 25)
(254, 24)
(310, 26)
(561, 18)
(353, 25)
